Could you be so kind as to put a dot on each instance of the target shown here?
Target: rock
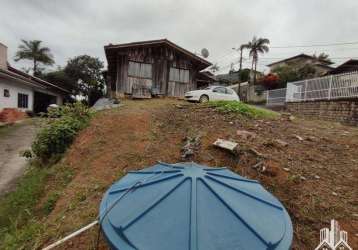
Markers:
(303, 178)
(317, 177)
(190, 146)
(178, 106)
(245, 134)
(312, 139)
(105, 103)
(286, 169)
(298, 137)
(258, 165)
(281, 143)
(334, 193)
(225, 144)
(291, 118)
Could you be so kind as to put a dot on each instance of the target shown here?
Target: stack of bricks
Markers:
(345, 111)
(10, 115)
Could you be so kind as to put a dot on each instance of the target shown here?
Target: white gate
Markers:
(276, 97)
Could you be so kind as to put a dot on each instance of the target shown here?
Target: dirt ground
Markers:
(13, 140)
(315, 175)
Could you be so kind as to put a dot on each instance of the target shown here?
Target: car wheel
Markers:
(204, 98)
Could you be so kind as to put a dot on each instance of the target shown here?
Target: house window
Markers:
(22, 100)
(6, 93)
(141, 70)
(179, 75)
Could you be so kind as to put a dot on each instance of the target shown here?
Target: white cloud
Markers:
(72, 28)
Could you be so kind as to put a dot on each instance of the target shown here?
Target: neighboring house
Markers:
(24, 92)
(205, 79)
(161, 67)
(346, 67)
(228, 79)
(321, 66)
(233, 77)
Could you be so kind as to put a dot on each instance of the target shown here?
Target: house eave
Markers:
(196, 58)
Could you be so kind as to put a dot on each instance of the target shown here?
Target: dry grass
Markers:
(143, 132)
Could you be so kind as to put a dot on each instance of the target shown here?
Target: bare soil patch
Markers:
(316, 178)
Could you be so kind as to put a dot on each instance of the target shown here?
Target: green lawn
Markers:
(243, 109)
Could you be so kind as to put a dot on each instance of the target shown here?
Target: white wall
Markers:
(14, 88)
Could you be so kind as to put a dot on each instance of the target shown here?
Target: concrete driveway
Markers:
(13, 140)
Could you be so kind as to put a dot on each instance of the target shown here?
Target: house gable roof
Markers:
(324, 62)
(32, 80)
(200, 60)
(348, 66)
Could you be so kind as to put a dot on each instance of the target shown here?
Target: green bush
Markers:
(60, 132)
(243, 109)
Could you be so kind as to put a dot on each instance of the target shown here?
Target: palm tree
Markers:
(256, 46)
(32, 50)
(322, 57)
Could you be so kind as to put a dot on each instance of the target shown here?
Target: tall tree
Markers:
(32, 50)
(60, 78)
(322, 57)
(257, 46)
(86, 72)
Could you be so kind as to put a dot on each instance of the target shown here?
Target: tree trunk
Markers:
(256, 59)
(240, 68)
(35, 68)
(250, 80)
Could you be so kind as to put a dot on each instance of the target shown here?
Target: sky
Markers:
(72, 28)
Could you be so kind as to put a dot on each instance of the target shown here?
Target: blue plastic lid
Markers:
(190, 206)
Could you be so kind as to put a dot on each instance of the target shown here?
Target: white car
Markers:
(212, 93)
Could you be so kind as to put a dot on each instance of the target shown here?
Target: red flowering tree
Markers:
(270, 81)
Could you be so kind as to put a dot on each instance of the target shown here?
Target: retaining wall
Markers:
(345, 111)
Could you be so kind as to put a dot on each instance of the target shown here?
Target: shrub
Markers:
(60, 132)
(243, 109)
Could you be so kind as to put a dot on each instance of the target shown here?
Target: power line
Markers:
(313, 45)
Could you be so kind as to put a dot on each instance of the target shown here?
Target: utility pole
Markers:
(241, 49)
(240, 68)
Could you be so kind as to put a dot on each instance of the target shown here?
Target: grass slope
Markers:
(243, 109)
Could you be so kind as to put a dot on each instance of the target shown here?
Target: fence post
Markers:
(305, 94)
(330, 87)
(267, 97)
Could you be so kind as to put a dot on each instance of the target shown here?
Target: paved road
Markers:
(12, 141)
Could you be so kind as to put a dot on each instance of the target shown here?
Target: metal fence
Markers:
(328, 87)
(276, 97)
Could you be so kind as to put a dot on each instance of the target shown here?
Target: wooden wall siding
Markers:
(178, 89)
(134, 82)
(179, 75)
(161, 58)
(141, 70)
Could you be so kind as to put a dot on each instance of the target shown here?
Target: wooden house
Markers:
(157, 67)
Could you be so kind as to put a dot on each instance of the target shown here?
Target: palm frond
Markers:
(32, 50)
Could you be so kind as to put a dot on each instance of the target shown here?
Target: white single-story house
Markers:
(22, 91)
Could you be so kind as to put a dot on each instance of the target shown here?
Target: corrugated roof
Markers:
(190, 206)
(156, 42)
